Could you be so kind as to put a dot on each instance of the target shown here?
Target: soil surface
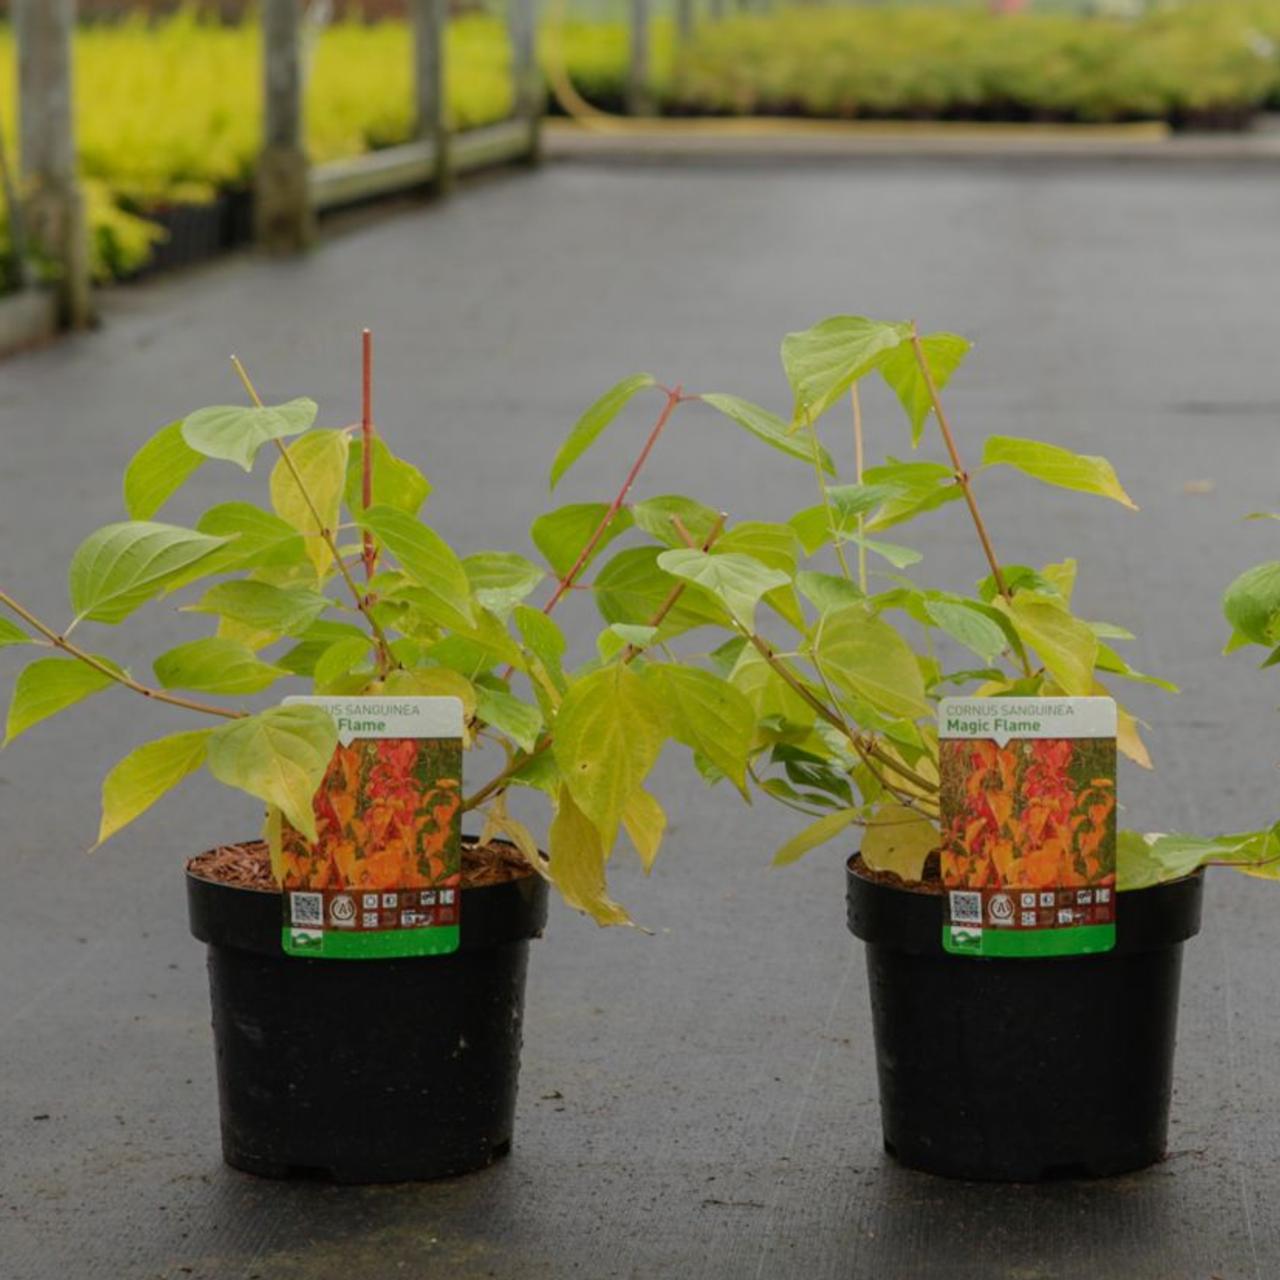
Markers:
(248, 865)
(931, 884)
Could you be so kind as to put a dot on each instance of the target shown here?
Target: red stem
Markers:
(674, 396)
(366, 434)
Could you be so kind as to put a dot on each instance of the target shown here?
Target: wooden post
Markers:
(54, 205)
(684, 20)
(283, 214)
(430, 19)
(522, 23)
(638, 101)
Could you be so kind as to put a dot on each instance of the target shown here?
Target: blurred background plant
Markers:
(168, 99)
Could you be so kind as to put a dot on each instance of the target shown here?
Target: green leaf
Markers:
(1252, 604)
(823, 362)
(632, 587)
(256, 540)
(11, 633)
(899, 839)
(473, 650)
(1145, 860)
(654, 516)
(608, 733)
(506, 713)
(827, 591)
(49, 685)
(215, 665)
(339, 660)
(1067, 647)
(944, 353)
(315, 642)
(1056, 466)
(427, 559)
(157, 471)
(1112, 662)
(970, 625)
(500, 580)
(282, 611)
(148, 773)
(769, 428)
(898, 556)
(544, 640)
(710, 716)
(433, 682)
(561, 535)
(280, 756)
(589, 427)
(738, 580)
(919, 487)
(320, 460)
(864, 655)
(578, 856)
(396, 483)
(826, 828)
(770, 696)
(124, 565)
(235, 433)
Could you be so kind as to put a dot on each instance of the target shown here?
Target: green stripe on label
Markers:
(385, 944)
(1080, 940)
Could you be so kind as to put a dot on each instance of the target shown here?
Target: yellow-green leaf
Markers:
(396, 483)
(144, 775)
(589, 427)
(215, 664)
(49, 685)
(124, 565)
(944, 353)
(821, 363)
(320, 460)
(277, 611)
(770, 428)
(428, 560)
(279, 756)
(864, 655)
(609, 730)
(645, 823)
(1067, 647)
(157, 471)
(899, 839)
(578, 856)
(826, 828)
(710, 716)
(1057, 466)
(11, 633)
(235, 433)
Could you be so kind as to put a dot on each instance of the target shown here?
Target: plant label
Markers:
(384, 876)
(1028, 825)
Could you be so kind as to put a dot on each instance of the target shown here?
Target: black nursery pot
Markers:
(1023, 1070)
(366, 1070)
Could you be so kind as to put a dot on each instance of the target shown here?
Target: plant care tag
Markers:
(385, 876)
(1028, 825)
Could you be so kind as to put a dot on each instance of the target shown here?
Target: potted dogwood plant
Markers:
(927, 720)
(369, 1066)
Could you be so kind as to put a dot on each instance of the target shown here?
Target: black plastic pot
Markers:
(366, 1070)
(1023, 1070)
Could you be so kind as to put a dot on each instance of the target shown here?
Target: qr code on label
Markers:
(307, 908)
(966, 908)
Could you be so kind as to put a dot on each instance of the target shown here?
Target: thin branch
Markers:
(674, 397)
(497, 783)
(385, 660)
(120, 677)
(678, 590)
(962, 476)
(370, 550)
(826, 498)
(856, 401)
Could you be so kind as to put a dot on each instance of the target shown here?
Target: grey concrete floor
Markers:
(699, 1101)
